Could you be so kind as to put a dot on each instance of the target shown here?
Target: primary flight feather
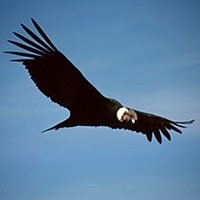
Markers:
(57, 78)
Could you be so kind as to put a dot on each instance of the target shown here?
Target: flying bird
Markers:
(58, 78)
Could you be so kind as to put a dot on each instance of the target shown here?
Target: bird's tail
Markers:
(65, 123)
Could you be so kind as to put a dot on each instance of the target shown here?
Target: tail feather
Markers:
(65, 123)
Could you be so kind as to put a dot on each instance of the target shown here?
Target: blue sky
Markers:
(145, 54)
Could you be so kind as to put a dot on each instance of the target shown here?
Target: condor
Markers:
(57, 78)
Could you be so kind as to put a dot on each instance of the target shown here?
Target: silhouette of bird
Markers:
(57, 78)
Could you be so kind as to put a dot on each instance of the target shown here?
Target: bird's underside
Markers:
(58, 79)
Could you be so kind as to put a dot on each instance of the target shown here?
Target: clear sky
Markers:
(144, 53)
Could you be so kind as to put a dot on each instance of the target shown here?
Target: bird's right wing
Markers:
(152, 125)
(53, 73)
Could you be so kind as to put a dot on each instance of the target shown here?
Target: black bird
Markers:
(63, 83)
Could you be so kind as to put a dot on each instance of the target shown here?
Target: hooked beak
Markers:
(125, 115)
(129, 116)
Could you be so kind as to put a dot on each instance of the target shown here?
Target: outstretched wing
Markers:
(153, 125)
(53, 73)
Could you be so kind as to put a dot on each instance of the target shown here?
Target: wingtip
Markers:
(33, 21)
(149, 136)
(23, 26)
(9, 52)
(191, 121)
(183, 124)
(187, 122)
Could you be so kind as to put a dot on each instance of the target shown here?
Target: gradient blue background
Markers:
(145, 54)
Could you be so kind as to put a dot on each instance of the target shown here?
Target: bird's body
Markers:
(63, 83)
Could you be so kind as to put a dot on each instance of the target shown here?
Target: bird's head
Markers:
(125, 115)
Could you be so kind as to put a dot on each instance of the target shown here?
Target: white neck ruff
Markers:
(121, 112)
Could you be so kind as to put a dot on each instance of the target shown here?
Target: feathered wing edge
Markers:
(37, 48)
(152, 125)
(162, 129)
(51, 64)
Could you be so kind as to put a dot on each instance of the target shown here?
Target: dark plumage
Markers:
(63, 83)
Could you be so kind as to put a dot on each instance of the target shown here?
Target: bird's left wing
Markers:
(53, 73)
